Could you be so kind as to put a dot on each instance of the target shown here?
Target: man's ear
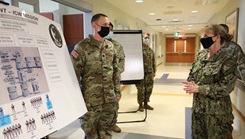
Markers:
(93, 25)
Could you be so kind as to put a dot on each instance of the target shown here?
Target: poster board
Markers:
(131, 40)
(39, 91)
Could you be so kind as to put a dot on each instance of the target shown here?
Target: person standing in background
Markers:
(96, 67)
(211, 80)
(235, 50)
(121, 64)
(145, 87)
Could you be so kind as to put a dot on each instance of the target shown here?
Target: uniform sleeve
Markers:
(116, 76)
(241, 70)
(78, 60)
(191, 77)
(154, 61)
(121, 58)
(241, 62)
(225, 85)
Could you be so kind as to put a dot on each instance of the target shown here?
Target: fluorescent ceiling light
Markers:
(190, 25)
(194, 11)
(163, 26)
(151, 13)
(139, 1)
(166, 29)
(175, 19)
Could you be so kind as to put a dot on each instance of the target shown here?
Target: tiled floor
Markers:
(167, 120)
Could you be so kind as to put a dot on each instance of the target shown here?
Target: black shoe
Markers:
(148, 107)
(141, 108)
(116, 129)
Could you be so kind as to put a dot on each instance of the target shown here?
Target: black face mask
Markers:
(207, 42)
(104, 31)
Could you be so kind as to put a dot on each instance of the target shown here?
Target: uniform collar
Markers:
(95, 42)
(212, 58)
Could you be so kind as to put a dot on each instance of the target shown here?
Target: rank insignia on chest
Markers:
(74, 53)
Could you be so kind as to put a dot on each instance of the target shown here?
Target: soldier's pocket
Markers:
(212, 73)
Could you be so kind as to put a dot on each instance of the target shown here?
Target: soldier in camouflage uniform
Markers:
(121, 57)
(235, 50)
(211, 79)
(144, 89)
(96, 67)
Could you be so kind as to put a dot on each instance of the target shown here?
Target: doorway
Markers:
(180, 50)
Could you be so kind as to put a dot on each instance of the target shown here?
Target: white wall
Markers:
(59, 10)
(48, 6)
(241, 27)
(219, 17)
(87, 24)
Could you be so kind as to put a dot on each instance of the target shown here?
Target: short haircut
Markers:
(96, 17)
(146, 34)
(111, 25)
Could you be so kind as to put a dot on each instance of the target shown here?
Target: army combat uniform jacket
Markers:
(96, 64)
(149, 59)
(235, 51)
(216, 79)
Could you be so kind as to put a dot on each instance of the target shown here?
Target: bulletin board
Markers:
(131, 40)
(39, 91)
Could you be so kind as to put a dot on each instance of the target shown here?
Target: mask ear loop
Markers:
(99, 26)
(93, 25)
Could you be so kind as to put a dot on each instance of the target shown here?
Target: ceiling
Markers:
(168, 10)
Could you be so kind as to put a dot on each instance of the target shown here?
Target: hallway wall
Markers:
(226, 10)
(241, 27)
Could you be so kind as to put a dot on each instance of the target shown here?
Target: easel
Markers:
(144, 119)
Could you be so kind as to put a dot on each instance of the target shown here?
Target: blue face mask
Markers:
(109, 35)
(147, 41)
(207, 42)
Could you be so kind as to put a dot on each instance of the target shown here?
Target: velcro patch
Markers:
(74, 53)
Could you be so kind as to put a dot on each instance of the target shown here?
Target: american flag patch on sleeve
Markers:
(74, 53)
